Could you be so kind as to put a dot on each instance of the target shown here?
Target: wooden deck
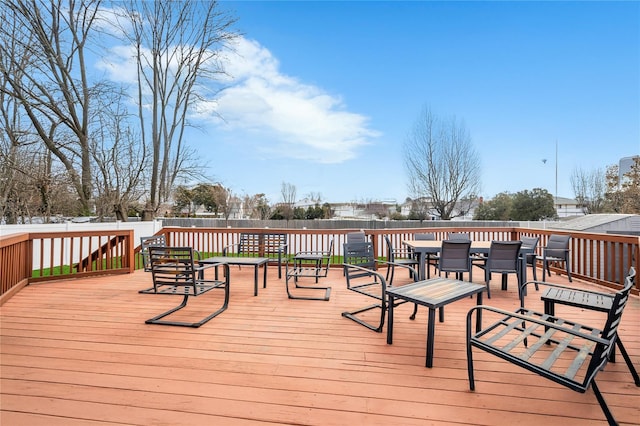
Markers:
(78, 352)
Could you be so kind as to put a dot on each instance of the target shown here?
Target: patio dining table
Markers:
(425, 248)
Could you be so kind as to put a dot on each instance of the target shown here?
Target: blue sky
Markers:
(322, 95)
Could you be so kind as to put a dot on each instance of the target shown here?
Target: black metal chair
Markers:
(361, 277)
(312, 264)
(556, 251)
(397, 256)
(531, 243)
(459, 236)
(431, 258)
(565, 352)
(504, 258)
(145, 243)
(556, 294)
(174, 272)
(455, 257)
(356, 237)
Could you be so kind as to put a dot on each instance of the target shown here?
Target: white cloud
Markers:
(289, 118)
(299, 120)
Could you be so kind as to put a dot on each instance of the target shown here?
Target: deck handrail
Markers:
(31, 257)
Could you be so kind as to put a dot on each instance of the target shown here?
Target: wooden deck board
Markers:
(78, 352)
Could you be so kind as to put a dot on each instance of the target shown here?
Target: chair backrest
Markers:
(609, 332)
(429, 236)
(558, 246)
(454, 256)
(358, 254)
(172, 266)
(530, 242)
(145, 243)
(459, 236)
(330, 249)
(390, 253)
(356, 237)
(503, 256)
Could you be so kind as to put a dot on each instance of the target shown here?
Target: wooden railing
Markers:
(44, 256)
(599, 258)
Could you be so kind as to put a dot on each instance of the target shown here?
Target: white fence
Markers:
(140, 229)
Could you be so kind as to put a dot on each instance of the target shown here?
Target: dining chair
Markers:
(530, 243)
(454, 257)
(145, 243)
(432, 259)
(556, 251)
(398, 256)
(356, 237)
(427, 236)
(459, 236)
(503, 258)
(361, 277)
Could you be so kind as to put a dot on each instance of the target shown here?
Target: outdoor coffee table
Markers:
(434, 294)
(256, 262)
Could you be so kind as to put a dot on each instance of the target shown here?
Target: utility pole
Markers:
(557, 176)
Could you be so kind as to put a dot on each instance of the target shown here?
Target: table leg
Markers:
(479, 312)
(255, 280)
(431, 329)
(264, 278)
(390, 321)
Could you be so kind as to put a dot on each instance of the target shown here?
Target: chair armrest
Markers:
(566, 326)
(367, 271)
(413, 271)
(225, 249)
(202, 266)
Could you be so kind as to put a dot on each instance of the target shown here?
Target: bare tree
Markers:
(120, 161)
(178, 51)
(288, 192)
(257, 206)
(442, 165)
(42, 46)
(589, 188)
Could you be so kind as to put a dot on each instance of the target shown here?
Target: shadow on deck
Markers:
(78, 352)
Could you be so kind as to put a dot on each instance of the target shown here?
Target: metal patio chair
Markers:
(361, 277)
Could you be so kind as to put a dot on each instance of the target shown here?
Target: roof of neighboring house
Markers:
(564, 200)
(590, 221)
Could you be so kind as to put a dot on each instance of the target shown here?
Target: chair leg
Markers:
(415, 311)
(352, 316)
(603, 404)
(327, 290)
(625, 355)
(158, 318)
(488, 288)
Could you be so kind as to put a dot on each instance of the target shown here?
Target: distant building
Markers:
(567, 207)
(624, 167)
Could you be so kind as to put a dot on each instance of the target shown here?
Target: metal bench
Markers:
(272, 246)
